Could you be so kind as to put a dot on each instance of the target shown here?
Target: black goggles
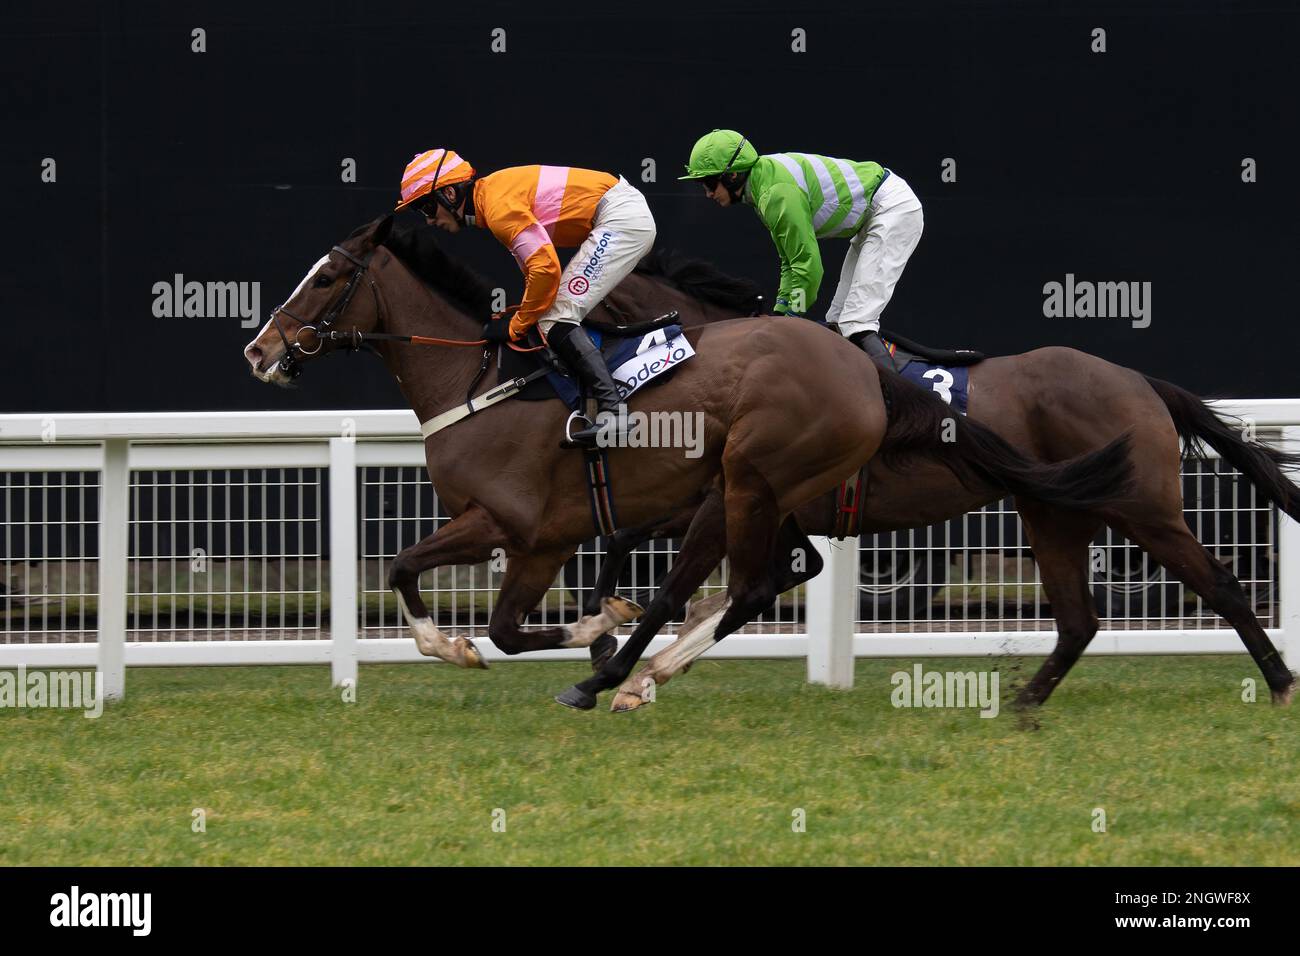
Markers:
(710, 182)
(429, 206)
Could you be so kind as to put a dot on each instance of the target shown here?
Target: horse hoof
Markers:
(605, 647)
(1282, 698)
(623, 702)
(471, 658)
(622, 608)
(626, 700)
(577, 698)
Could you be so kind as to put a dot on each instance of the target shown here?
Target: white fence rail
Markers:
(264, 537)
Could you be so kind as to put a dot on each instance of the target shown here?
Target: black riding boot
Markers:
(576, 349)
(869, 341)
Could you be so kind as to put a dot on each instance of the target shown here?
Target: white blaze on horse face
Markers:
(265, 329)
(307, 278)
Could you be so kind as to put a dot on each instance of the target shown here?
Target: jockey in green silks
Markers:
(801, 198)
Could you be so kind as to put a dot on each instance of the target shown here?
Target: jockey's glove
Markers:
(496, 330)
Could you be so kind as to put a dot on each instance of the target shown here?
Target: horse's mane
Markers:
(701, 280)
(418, 248)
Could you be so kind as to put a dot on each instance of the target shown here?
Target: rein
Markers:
(354, 338)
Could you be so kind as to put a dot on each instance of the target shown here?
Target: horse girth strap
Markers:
(849, 507)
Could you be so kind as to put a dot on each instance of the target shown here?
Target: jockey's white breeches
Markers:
(622, 233)
(876, 257)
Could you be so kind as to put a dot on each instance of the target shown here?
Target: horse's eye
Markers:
(322, 281)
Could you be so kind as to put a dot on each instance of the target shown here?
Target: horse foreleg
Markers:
(702, 549)
(794, 560)
(597, 610)
(695, 637)
(467, 539)
(528, 577)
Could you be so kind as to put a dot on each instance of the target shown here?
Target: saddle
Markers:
(905, 351)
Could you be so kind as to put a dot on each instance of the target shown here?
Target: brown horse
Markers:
(1052, 403)
(788, 410)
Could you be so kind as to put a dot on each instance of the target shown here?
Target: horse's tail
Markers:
(1199, 425)
(920, 423)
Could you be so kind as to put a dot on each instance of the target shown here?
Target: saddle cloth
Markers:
(946, 372)
(633, 362)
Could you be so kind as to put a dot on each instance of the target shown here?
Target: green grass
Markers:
(710, 774)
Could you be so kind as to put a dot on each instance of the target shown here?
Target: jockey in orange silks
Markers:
(533, 210)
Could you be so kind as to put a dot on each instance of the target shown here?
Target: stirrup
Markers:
(569, 440)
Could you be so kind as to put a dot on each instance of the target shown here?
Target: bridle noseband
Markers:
(289, 363)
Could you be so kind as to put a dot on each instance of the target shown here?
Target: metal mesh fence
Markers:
(214, 554)
(49, 532)
(976, 573)
(242, 553)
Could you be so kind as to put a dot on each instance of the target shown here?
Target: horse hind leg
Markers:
(1060, 540)
(1172, 544)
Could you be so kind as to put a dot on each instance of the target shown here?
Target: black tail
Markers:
(1199, 425)
(920, 423)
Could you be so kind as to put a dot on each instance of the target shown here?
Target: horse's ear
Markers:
(380, 229)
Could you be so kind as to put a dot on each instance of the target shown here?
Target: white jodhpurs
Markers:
(876, 257)
(622, 233)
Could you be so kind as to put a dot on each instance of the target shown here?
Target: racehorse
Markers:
(1052, 403)
(788, 409)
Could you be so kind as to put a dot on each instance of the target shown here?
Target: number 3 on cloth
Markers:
(941, 381)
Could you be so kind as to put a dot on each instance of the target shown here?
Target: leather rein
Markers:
(355, 339)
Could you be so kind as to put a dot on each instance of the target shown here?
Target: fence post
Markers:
(114, 520)
(830, 613)
(343, 561)
(1288, 570)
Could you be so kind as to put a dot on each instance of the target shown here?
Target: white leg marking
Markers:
(695, 638)
(614, 611)
(692, 642)
(430, 641)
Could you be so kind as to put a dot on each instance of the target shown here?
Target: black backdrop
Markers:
(225, 165)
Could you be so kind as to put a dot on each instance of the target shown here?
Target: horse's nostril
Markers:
(253, 354)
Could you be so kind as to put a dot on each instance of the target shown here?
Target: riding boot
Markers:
(869, 341)
(576, 349)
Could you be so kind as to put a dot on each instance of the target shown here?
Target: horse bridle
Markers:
(289, 363)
